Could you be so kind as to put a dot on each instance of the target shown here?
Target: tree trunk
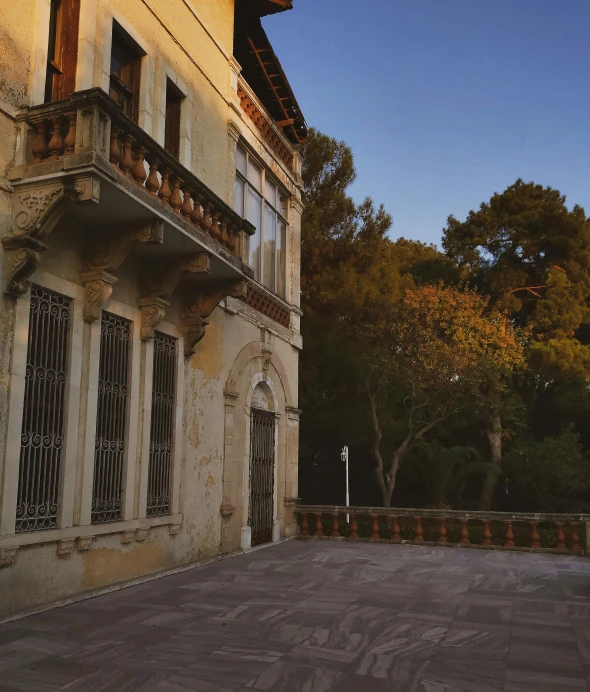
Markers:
(494, 436)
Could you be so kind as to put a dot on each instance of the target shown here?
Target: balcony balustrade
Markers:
(561, 533)
(82, 159)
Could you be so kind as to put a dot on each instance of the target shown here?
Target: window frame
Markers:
(173, 130)
(280, 191)
(129, 92)
(62, 49)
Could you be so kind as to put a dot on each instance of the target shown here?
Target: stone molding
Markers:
(293, 413)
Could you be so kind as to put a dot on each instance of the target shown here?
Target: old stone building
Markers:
(150, 214)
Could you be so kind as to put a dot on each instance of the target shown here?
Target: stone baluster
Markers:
(353, 532)
(464, 532)
(126, 161)
(39, 149)
(187, 208)
(418, 531)
(152, 183)
(115, 149)
(56, 143)
(535, 538)
(70, 140)
(197, 215)
(215, 232)
(442, 530)
(375, 528)
(232, 239)
(575, 537)
(206, 223)
(395, 531)
(224, 238)
(319, 529)
(335, 527)
(487, 534)
(560, 536)
(509, 542)
(165, 192)
(304, 528)
(139, 173)
(176, 197)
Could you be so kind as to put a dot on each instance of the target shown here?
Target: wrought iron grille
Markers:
(262, 472)
(44, 411)
(162, 424)
(111, 422)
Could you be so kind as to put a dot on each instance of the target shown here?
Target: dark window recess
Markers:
(111, 419)
(125, 72)
(172, 128)
(42, 436)
(62, 49)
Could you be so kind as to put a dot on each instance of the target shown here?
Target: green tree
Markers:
(530, 255)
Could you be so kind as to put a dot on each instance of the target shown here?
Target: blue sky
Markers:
(445, 102)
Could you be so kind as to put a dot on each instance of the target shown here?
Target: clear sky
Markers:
(445, 102)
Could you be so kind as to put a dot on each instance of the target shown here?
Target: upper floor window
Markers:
(259, 199)
(174, 99)
(126, 57)
(62, 49)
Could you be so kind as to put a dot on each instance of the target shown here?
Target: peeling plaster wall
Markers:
(38, 575)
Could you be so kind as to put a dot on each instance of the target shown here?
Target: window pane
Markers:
(254, 175)
(268, 270)
(253, 211)
(281, 250)
(239, 197)
(241, 160)
(270, 191)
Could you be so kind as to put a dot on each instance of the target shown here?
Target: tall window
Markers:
(126, 57)
(162, 424)
(42, 441)
(172, 126)
(111, 420)
(263, 203)
(62, 49)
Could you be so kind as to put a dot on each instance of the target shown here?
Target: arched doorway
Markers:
(262, 465)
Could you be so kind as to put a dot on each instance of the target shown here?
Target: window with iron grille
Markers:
(111, 420)
(162, 425)
(42, 436)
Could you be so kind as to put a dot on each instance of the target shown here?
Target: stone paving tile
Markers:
(321, 617)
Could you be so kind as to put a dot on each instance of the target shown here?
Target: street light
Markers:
(344, 458)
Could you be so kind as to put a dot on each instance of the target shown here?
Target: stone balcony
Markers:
(81, 160)
(322, 616)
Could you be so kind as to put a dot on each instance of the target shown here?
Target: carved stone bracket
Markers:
(65, 546)
(174, 529)
(141, 534)
(21, 257)
(36, 209)
(200, 305)
(105, 256)
(84, 542)
(159, 285)
(127, 537)
(153, 311)
(8, 556)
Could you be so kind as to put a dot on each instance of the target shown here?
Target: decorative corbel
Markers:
(35, 211)
(106, 255)
(200, 305)
(158, 286)
(21, 257)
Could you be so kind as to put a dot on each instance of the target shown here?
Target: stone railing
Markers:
(89, 123)
(491, 530)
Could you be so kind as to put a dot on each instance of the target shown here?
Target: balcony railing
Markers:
(89, 128)
(491, 530)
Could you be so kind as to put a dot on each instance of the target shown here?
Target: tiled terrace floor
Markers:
(316, 616)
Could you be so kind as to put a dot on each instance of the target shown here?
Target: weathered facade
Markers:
(150, 214)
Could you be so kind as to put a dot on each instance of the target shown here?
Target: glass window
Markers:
(239, 196)
(254, 175)
(241, 160)
(268, 212)
(281, 243)
(268, 261)
(253, 214)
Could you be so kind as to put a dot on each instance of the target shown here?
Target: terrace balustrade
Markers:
(561, 533)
